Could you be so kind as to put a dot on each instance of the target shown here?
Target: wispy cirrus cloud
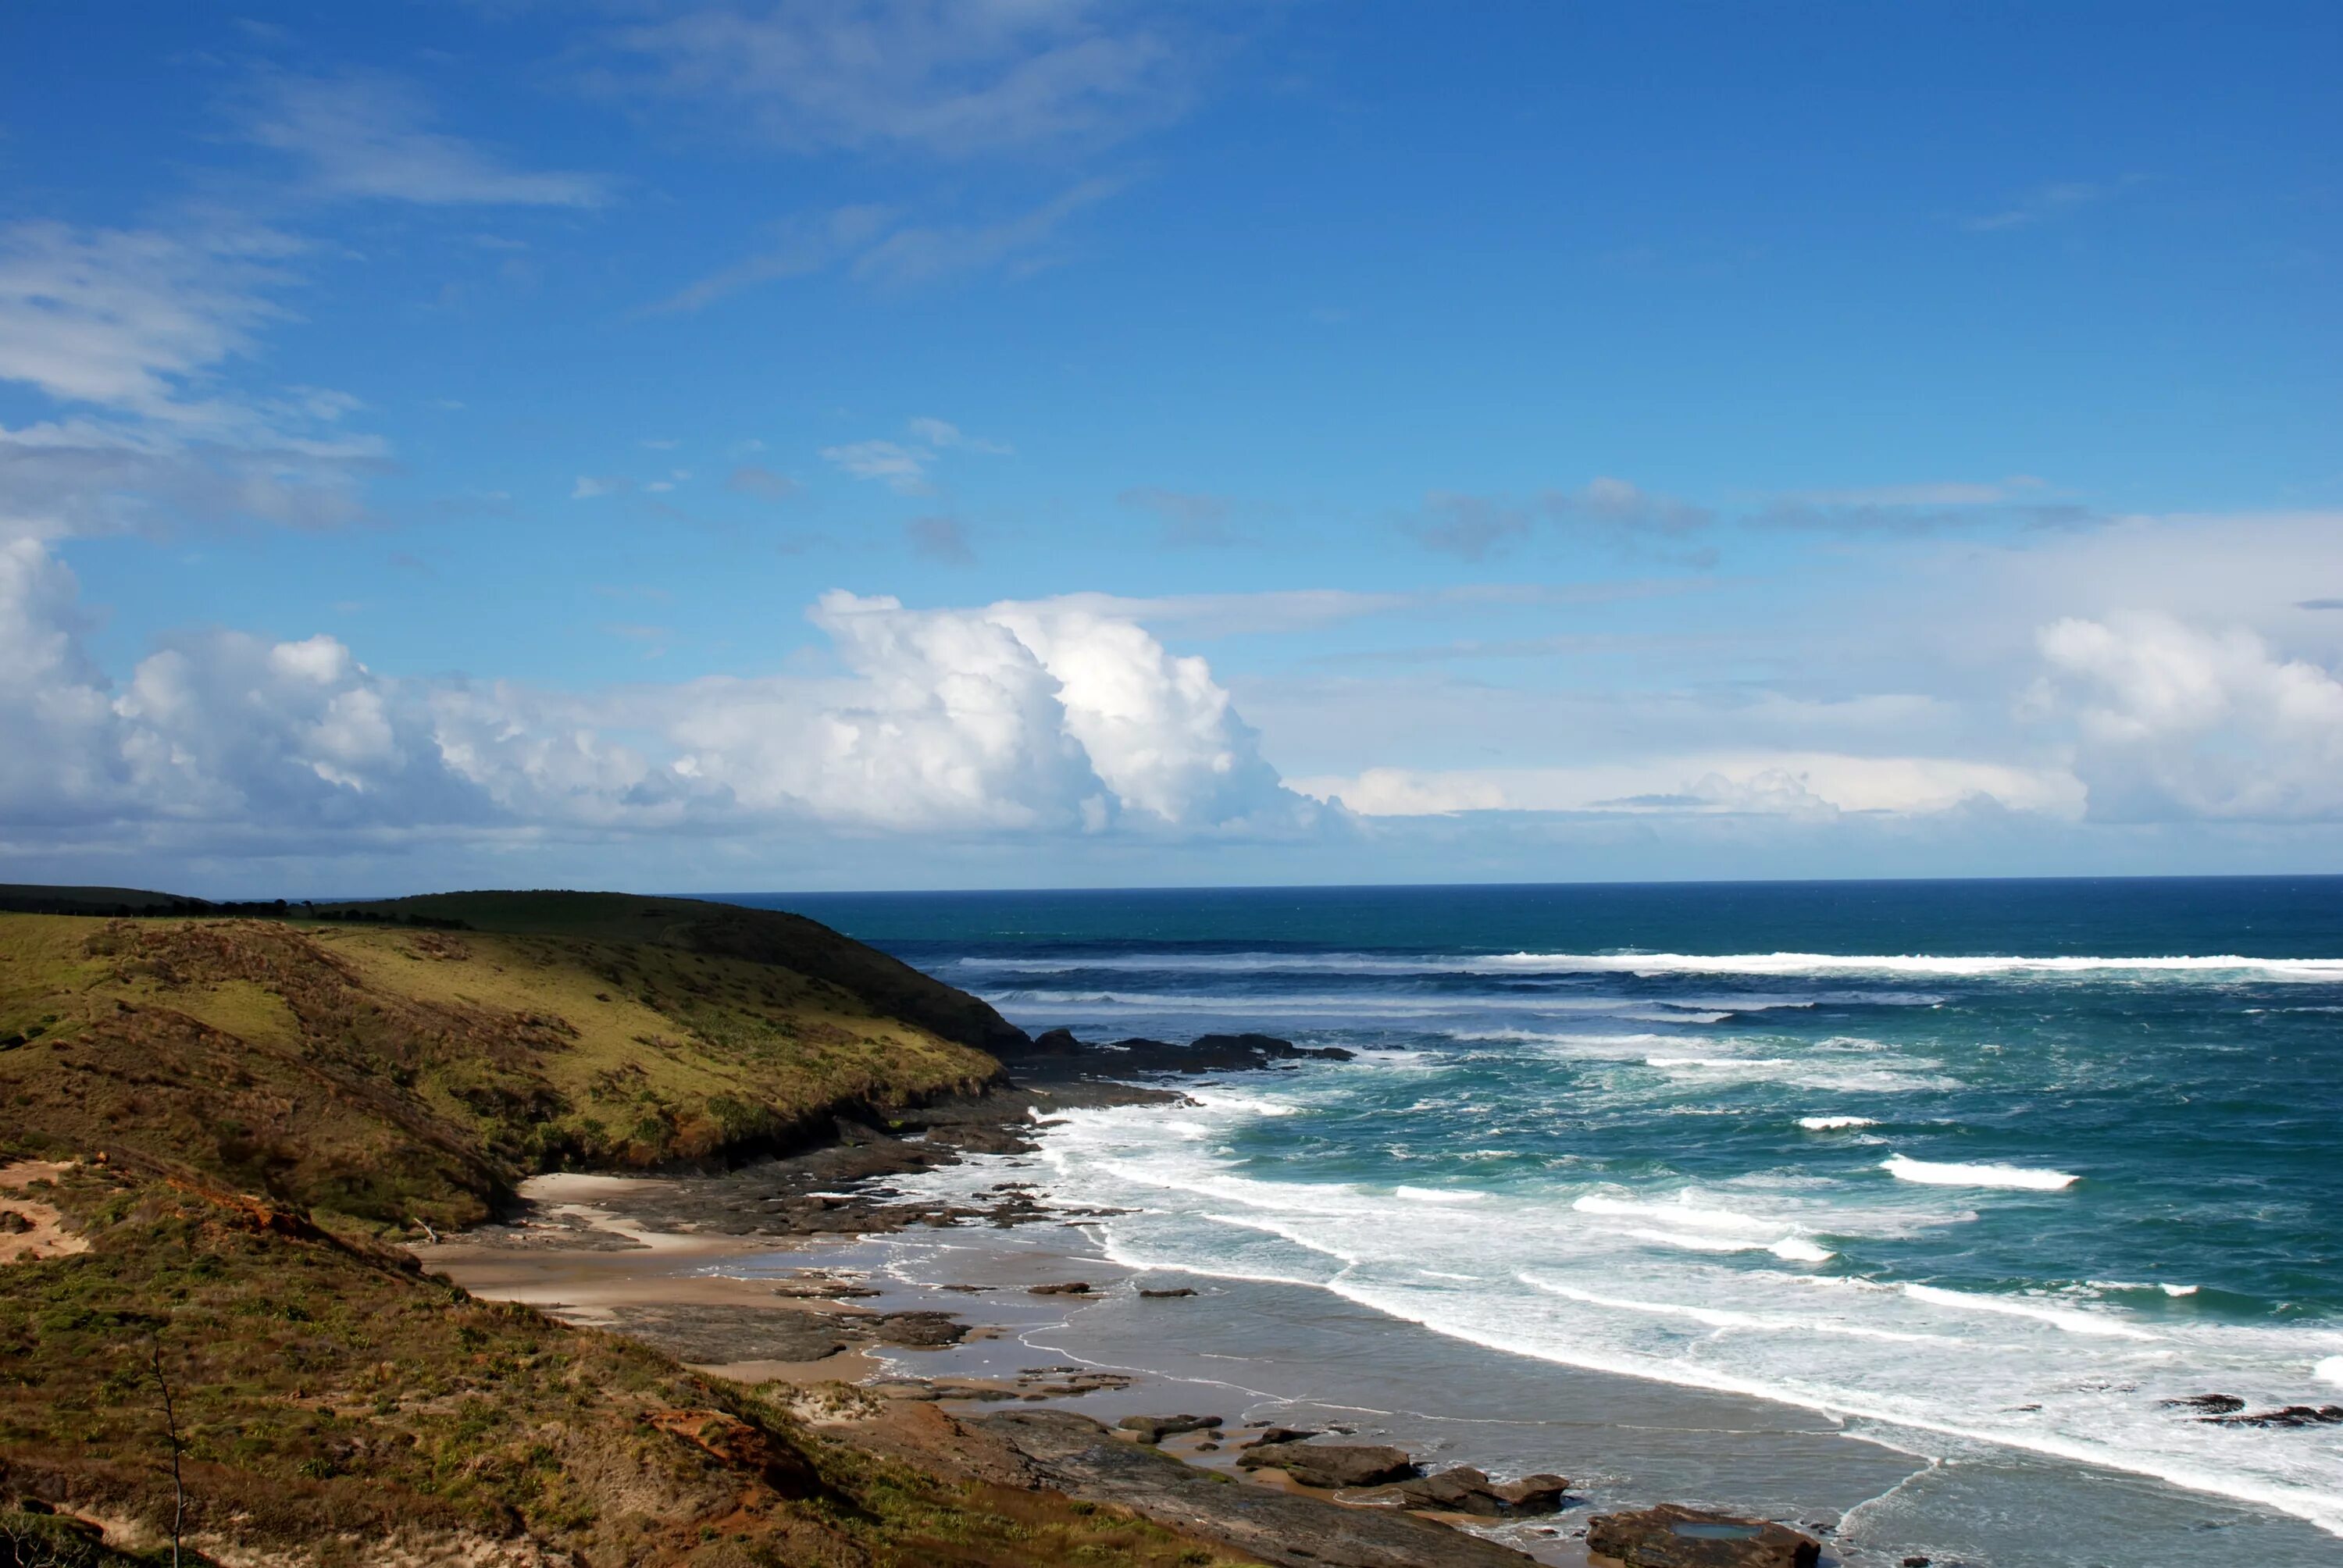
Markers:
(903, 465)
(948, 79)
(1928, 508)
(129, 337)
(1618, 514)
(880, 246)
(371, 138)
(2046, 203)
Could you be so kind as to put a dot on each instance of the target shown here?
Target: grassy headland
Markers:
(240, 1111)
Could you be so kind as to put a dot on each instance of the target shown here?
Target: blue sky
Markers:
(1031, 442)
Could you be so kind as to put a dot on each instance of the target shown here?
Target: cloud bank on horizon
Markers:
(713, 445)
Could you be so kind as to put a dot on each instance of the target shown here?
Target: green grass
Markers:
(392, 1074)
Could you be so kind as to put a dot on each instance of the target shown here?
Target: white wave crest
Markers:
(1438, 1195)
(2065, 1318)
(2329, 1371)
(2176, 965)
(1834, 1123)
(1906, 1169)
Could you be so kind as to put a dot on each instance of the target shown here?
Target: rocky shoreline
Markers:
(605, 1253)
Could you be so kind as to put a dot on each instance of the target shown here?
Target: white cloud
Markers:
(903, 465)
(952, 78)
(1782, 783)
(2175, 721)
(1017, 718)
(130, 333)
(878, 246)
(369, 138)
(902, 469)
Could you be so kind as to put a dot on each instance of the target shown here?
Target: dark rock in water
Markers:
(1071, 1288)
(2211, 1403)
(1539, 1493)
(1332, 1464)
(2292, 1415)
(1464, 1490)
(1167, 1295)
(1055, 1043)
(1219, 1053)
(1156, 1428)
(1080, 1457)
(917, 1330)
(1672, 1536)
(1281, 1434)
(1916, 1562)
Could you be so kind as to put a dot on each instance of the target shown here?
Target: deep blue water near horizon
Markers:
(2000, 1162)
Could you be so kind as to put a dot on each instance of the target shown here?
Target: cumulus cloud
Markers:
(1018, 718)
(2173, 721)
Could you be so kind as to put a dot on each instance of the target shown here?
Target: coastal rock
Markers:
(1332, 1464)
(2291, 1415)
(1672, 1536)
(1070, 1288)
(1156, 1428)
(1540, 1493)
(1464, 1490)
(1459, 1490)
(1261, 1047)
(1167, 1295)
(2210, 1403)
(1082, 1458)
(1281, 1434)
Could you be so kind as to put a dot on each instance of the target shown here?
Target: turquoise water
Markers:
(2008, 1163)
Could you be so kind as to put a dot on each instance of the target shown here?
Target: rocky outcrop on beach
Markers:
(1672, 1536)
(1082, 1458)
(1334, 1465)
(1465, 1490)
(1156, 1428)
(715, 1335)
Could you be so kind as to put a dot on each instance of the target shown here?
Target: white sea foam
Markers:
(1439, 1194)
(2065, 1318)
(1714, 1288)
(1679, 1212)
(2178, 1290)
(1906, 1169)
(2179, 965)
(1834, 1123)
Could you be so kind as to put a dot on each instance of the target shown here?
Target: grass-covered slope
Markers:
(722, 930)
(338, 1408)
(395, 1074)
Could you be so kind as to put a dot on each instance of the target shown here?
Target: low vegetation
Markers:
(393, 1074)
(214, 1123)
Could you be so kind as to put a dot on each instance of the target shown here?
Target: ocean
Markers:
(1967, 1169)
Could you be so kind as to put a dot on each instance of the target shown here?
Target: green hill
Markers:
(393, 1073)
(226, 1114)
